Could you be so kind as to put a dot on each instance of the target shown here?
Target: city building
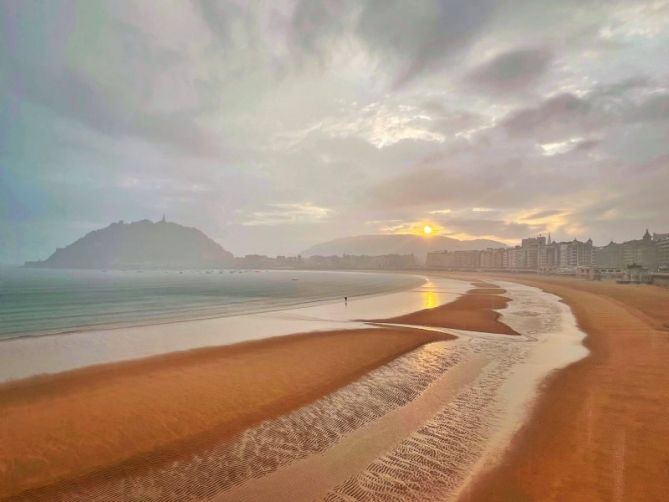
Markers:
(541, 254)
(549, 256)
(454, 259)
(345, 262)
(609, 258)
(649, 252)
(493, 258)
(641, 252)
(662, 247)
(647, 255)
(531, 248)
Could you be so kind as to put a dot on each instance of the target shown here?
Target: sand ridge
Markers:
(62, 427)
(474, 311)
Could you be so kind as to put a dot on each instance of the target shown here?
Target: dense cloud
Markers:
(101, 75)
(511, 71)
(424, 35)
(275, 125)
(566, 114)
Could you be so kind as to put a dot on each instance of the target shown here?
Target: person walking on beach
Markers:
(346, 300)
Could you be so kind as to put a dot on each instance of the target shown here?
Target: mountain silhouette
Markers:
(142, 244)
(376, 245)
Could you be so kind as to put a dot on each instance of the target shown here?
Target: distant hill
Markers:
(142, 244)
(375, 245)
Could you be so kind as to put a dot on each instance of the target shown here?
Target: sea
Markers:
(35, 302)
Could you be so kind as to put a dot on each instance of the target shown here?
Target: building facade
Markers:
(540, 254)
(609, 257)
(662, 250)
(641, 252)
(649, 252)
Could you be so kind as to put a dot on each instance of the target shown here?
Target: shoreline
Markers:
(472, 317)
(53, 354)
(478, 310)
(185, 393)
(597, 429)
(165, 319)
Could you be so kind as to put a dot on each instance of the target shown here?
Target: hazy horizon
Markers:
(276, 126)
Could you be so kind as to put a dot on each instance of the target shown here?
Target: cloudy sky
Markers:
(274, 125)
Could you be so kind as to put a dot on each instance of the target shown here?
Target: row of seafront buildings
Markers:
(540, 254)
(344, 262)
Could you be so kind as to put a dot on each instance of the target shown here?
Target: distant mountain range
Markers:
(142, 244)
(375, 245)
(145, 244)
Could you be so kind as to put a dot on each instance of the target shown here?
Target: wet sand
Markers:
(474, 311)
(29, 356)
(117, 418)
(242, 421)
(314, 476)
(411, 429)
(599, 430)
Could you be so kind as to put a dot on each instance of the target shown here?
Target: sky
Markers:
(275, 125)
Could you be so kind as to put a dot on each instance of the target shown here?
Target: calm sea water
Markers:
(38, 302)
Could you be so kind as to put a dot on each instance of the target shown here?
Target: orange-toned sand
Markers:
(600, 428)
(129, 415)
(474, 311)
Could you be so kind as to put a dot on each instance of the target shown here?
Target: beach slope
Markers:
(113, 419)
(599, 430)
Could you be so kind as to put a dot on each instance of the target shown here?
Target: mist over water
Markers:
(38, 302)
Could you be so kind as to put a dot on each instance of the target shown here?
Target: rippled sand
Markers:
(262, 450)
(415, 428)
(600, 429)
(134, 415)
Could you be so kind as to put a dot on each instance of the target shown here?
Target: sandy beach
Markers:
(105, 421)
(420, 406)
(62, 427)
(599, 431)
(475, 311)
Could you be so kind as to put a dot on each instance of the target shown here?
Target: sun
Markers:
(427, 230)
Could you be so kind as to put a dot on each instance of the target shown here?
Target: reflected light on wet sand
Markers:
(430, 297)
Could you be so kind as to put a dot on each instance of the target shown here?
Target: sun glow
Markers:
(424, 228)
